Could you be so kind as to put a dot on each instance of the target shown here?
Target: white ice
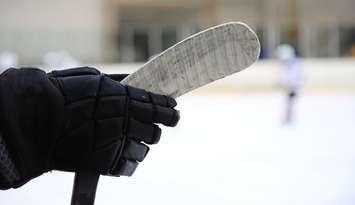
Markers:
(233, 149)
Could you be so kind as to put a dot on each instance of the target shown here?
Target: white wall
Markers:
(32, 28)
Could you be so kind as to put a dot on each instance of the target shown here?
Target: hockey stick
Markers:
(196, 61)
(84, 188)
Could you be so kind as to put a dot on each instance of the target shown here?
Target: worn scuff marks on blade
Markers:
(198, 60)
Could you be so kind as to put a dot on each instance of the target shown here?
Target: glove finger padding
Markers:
(83, 121)
(151, 113)
(135, 151)
(148, 133)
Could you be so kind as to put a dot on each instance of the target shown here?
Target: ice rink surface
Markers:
(233, 149)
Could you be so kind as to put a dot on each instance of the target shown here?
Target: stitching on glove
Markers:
(119, 151)
(90, 98)
(97, 100)
(60, 87)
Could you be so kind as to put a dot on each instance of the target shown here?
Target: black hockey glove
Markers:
(75, 120)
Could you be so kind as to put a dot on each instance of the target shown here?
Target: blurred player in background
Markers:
(292, 79)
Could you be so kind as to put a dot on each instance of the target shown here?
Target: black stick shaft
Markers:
(84, 188)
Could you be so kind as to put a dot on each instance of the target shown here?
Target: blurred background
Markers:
(235, 143)
(115, 31)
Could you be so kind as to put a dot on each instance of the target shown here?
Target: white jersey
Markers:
(292, 77)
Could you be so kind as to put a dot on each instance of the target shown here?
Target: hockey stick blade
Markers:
(198, 60)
